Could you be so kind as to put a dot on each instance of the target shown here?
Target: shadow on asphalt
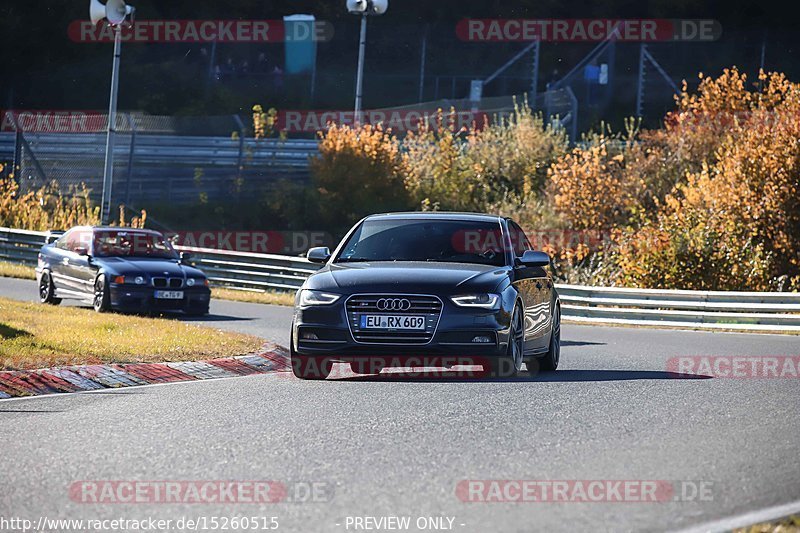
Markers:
(177, 315)
(205, 318)
(581, 343)
(563, 376)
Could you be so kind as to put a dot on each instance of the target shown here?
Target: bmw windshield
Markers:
(132, 244)
(453, 241)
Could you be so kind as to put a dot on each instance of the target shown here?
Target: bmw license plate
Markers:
(392, 322)
(169, 295)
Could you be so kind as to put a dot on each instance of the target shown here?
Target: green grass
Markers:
(37, 335)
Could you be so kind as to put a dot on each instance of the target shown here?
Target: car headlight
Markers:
(309, 297)
(139, 280)
(484, 301)
(190, 282)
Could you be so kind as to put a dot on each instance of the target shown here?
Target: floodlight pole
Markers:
(362, 45)
(108, 170)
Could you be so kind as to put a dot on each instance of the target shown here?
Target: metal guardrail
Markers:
(744, 311)
(157, 168)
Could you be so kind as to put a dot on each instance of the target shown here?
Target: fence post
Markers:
(574, 102)
(17, 155)
(132, 127)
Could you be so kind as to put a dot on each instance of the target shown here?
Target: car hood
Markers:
(407, 277)
(152, 267)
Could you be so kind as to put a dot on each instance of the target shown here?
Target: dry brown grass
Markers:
(256, 297)
(15, 270)
(787, 525)
(36, 336)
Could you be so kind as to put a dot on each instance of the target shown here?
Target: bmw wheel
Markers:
(47, 289)
(102, 298)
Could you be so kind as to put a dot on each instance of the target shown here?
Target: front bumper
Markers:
(142, 298)
(453, 335)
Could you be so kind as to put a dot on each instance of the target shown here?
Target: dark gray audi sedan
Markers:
(402, 288)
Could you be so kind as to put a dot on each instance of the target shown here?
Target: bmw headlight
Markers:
(190, 282)
(139, 280)
(309, 297)
(484, 301)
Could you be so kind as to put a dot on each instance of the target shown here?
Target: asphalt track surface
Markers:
(399, 446)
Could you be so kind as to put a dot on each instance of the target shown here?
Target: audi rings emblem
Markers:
(393, 304)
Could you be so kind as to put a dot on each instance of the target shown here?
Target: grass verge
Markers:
(256, 297)
(36, 336)
(790, 524)
(15, 270)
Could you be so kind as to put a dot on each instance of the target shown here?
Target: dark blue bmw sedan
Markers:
(120, 268)
(404, 286)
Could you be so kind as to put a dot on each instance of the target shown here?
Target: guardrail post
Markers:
(240, 159)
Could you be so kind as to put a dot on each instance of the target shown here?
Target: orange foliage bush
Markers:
(358, 171)
(45, 209)
(734, 223)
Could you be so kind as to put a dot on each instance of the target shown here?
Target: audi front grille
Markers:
(429, 307)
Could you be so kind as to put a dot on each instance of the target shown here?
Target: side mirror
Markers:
(320, 254)
(534, 258)
(186, 258)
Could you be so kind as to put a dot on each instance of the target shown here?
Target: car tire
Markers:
(366, 367)
(102, 297)
(549, 363)
(308, 367)
(510, 364)
(47, 290)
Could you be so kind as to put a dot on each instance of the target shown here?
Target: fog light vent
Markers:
(481, 339)
(309, 336)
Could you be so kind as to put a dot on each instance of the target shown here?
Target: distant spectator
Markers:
(244, 69)
(228, 69)
(277, 79)
(262, 65)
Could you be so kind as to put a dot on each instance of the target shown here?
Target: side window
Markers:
(518, 239)
(77, 239)
(61, 242)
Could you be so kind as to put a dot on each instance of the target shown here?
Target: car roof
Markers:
(447, 215)
(123, 228)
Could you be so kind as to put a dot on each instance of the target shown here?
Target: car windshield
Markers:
(454, 241)
(132, 244)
